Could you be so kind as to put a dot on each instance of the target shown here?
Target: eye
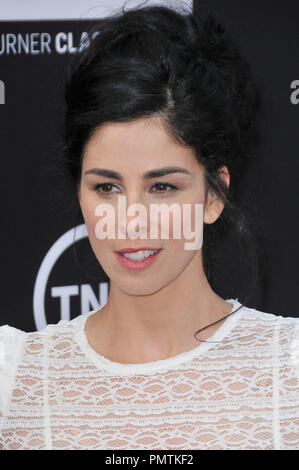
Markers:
(163, 191)
(102, 187)
(105, 188)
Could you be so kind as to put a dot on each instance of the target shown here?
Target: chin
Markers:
(133, 287)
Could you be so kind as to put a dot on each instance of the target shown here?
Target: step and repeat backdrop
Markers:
(48, 270)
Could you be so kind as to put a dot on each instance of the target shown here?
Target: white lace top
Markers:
(238, 390)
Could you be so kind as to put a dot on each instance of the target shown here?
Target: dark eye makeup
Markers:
(99, 187)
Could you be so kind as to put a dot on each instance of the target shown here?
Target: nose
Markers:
(133, 216)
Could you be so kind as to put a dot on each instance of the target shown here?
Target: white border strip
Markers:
(20, 10)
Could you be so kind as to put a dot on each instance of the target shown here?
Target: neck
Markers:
(145, 328)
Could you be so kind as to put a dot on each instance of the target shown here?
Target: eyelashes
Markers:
(99, 188)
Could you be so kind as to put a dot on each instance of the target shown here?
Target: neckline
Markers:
(154, 366)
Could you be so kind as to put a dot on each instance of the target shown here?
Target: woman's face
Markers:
(131, 150)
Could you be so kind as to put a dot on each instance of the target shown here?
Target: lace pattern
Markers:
(239, 393)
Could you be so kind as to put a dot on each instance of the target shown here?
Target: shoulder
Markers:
(61, 328)
(279, 332)
(11, 341)
(17, 346)
(278, 321)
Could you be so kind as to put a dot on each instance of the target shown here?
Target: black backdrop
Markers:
(38, 261)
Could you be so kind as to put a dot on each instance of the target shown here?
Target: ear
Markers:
(214, 206)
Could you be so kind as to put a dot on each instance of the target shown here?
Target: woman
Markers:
(160, 109)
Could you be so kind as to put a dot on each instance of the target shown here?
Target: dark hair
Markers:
(181, 66)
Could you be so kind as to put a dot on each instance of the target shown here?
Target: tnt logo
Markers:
(2, 92)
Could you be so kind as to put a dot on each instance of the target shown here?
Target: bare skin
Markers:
(151, 314)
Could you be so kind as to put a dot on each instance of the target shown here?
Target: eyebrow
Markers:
(148, 175)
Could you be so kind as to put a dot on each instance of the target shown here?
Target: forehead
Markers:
(140, 144)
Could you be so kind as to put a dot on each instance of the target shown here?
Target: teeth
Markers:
(140, 255)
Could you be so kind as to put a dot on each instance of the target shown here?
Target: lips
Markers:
(133, 250)
(137, 264)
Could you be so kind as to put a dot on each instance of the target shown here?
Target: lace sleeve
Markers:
(294, 352)
(287, 393)
(11, 340)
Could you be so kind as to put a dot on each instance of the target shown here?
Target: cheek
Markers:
(88, 212)
(88, 206)
(185, 224)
